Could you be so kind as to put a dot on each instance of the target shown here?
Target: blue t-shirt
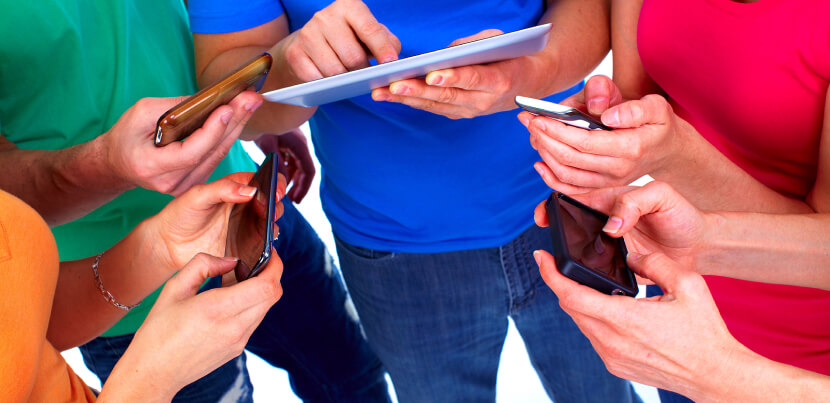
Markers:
(399, 179)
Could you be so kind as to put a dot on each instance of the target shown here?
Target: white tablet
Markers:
(359, 82)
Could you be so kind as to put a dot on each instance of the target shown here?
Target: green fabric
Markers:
(68, 70)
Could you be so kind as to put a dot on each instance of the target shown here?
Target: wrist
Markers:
(710, 249)
(131, 381)
(103, 169)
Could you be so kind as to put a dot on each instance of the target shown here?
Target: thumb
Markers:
(651, 109)
(481, 35)
(188, 280)
(601, 93)
(658, 268)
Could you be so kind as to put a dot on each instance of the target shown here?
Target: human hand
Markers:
(188, 335)
(647, 135)
(461, 92)
(295, 160)
(197, 221)
(341, 37)
(653, 218)
(172, 169)
(677, 341)
(598, 94)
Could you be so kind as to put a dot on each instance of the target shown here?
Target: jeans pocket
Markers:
(361, 252)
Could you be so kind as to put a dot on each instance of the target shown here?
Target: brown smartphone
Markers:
(189, 115)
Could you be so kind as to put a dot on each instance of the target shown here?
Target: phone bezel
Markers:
(574, 270)
(565, 114)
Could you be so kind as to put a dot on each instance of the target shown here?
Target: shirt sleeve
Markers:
(223, 16)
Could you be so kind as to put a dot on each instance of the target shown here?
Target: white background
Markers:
(517, 381)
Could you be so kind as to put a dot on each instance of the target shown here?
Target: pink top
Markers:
(752, 79)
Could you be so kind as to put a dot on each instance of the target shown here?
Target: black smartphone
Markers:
(562, 113)
(190, 114)
(251, 224)
(583, 252)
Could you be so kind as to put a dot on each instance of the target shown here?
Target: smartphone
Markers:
(583, 252)
(562, 113)
(189, 115)
(251, 224)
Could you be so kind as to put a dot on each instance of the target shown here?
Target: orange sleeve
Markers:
(30, 368)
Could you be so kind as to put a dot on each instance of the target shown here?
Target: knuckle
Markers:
(371, 28)
(475, 78)
(447, 95)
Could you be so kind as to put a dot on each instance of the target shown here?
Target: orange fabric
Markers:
(31, 370)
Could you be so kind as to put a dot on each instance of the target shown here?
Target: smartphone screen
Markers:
(251, 224)
(588, 245)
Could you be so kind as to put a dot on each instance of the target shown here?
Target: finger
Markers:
(416, 88)
(554, 183)
(225, 190)
(476, 77)
(600, 93)
(642, 280)
(658, 268)
(319, 50)
(574, 297)
(540, 214)
(282, 184)
(651, 109)
(597, 142)
(451, 111)
(654, 197)
(300, 62)
(268, 143)
(262, 289)
(148, 110)
(481, 35)
(378, 39)
(575, 101)
(572, 157)
(573, 176)
(302, 183)
(191, 277)
(348, 48)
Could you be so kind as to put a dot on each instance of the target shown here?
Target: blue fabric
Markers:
(438, 322)
(399, 179)
(218, 17)
(309, 333)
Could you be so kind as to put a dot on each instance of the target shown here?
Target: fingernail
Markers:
(380, 96)
(613, 225)
(247, 190)
(537, 124)
(612, 118)
(436, 79)
(398, 89)
(226, 117)
(252, 106)
(594, 106)
(539, 170)
(230, 259)
(634, 256)
(524, 119)
(538, 256)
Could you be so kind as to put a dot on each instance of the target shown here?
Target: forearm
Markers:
(711, 181)
(629, 74)
(61, 185)
(135, 380)
(578, 42)
(129, 271)
(749, 377)
(772, 248)
(270, 117)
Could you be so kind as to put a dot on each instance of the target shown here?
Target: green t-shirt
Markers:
(68, 70)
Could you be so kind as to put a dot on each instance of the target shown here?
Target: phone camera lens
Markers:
(617, 291)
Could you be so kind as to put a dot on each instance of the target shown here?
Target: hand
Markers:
(197, 221)
(648, 134)
(653, 218)
(341, 37)
(295, 160)
(186, 335)
(677, 341)
(598, 94)
(461, 92)
(174, 168)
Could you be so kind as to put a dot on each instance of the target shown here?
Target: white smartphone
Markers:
(562, 113)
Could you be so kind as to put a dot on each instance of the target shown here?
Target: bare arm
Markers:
(629, 74)
(64, 185)
(218, 54)
(61, 185)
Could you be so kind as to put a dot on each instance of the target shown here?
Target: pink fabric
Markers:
(752, 79)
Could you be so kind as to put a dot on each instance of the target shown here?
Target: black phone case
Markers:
(573, 269)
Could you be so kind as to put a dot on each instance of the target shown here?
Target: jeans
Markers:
(666, 396)
(438, 322)
(309, 333)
